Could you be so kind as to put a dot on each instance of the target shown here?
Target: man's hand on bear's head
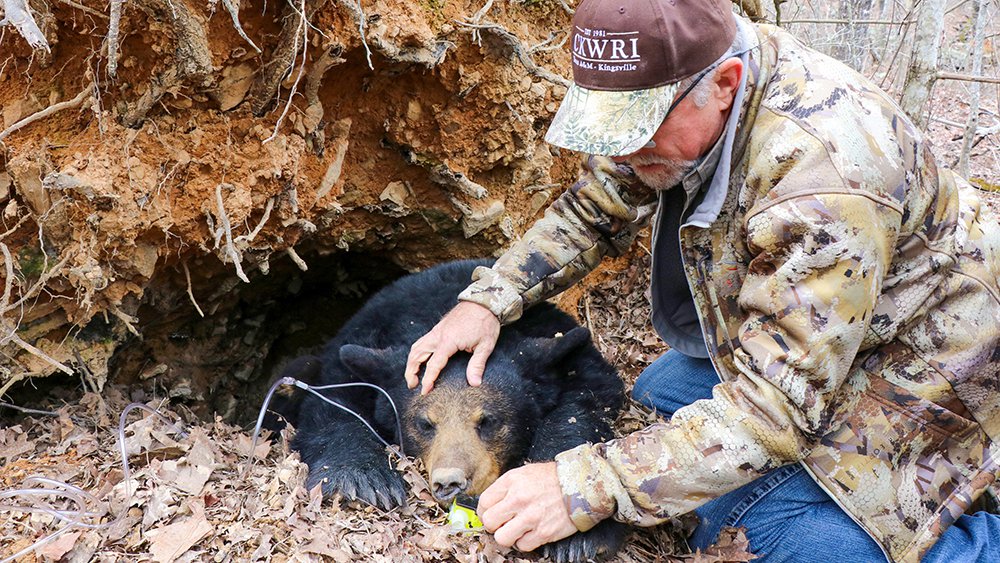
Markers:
(468, 327)
(524, 508)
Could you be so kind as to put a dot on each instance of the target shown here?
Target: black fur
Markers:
(559, 391)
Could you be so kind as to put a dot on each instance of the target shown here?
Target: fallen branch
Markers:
(234, 255)
(83, 95)
(966, 77)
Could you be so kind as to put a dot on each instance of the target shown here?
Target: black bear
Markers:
(546, 389)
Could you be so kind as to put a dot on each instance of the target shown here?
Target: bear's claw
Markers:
(382, 488)
(593, 545)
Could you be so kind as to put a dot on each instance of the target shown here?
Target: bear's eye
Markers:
(487, 424)
(425, 426)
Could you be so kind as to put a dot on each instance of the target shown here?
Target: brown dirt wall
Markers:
(109, 206)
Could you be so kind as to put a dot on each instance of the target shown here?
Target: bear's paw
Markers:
(382, 487)
(598, 543)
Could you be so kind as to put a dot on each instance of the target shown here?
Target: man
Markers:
(809, 259)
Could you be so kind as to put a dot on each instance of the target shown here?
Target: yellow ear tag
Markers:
(462, 516)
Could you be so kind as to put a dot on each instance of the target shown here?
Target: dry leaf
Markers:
(170, 542)
(60, 546)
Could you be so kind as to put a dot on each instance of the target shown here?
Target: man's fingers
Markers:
(413, 363)
(494, 493)
(477, 364)
(420, 351)
(434, 366)
(512, 531)
(529, 541)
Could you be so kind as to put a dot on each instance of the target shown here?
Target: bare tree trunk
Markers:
(923, 60)
(979, 15)
(852, 37)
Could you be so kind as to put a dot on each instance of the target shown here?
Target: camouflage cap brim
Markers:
(611, 123)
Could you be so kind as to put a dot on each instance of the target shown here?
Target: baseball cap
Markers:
(628, 58)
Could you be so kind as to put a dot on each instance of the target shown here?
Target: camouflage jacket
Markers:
(848, 296)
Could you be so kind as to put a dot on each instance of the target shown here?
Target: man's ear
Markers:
(727, 80)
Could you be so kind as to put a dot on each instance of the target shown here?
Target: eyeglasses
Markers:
(652, 144)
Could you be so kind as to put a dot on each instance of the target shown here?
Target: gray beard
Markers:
(670, 175)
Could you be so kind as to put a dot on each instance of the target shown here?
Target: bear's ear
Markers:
(367, 362)
(546, 352)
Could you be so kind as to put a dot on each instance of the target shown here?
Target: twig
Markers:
(86, 92)
(26, 410)
(546, 45)
(8, 263)
(234, 255)
(13, 337)
(847, 21)
(16, 226)
(297, 259)
(83, 8)
(190, 292)
(88, 376)
(964, 77)
(42, 280)
(126, 319)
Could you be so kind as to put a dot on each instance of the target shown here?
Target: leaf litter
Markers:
(191, 500)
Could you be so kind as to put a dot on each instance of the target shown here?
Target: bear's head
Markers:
(467, 436)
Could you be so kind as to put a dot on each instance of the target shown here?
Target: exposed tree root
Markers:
(192, 57)
(517, 47)
(76, 101)
(282, 61)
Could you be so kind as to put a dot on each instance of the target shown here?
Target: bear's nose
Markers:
(448, 482)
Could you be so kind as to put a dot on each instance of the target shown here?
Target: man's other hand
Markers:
(524, 508)
(468, 327)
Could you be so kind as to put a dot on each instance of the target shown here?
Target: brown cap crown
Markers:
(625, 45)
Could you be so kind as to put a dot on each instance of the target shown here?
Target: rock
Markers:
(233, 87)
(479, 219)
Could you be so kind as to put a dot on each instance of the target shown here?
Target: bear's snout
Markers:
(447, 482)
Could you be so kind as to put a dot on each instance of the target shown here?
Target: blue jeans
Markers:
(787, 516)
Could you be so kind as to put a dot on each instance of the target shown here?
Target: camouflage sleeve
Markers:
(599, 215)
(807, 299)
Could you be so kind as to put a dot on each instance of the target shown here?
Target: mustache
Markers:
(651, 159)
